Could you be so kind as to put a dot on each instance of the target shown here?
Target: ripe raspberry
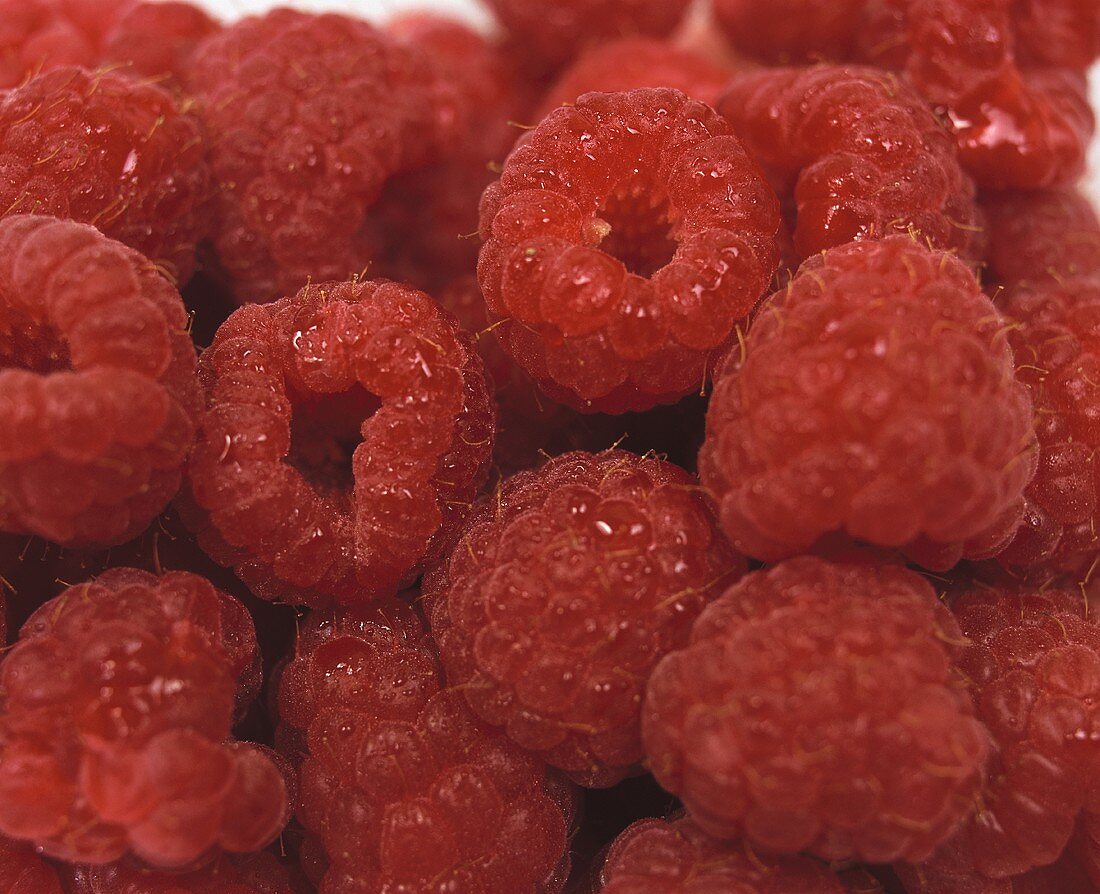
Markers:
(782, 32)
(158, 39)
(401, 785)
(626, 237)
(1057, 33)
(1040, 237)
(816, 709)
(1055, 335)
(122, 157)
(661, 857)
(347, 432)
(114, 723)
(22, 871)
(309, 116)
(860, 155)
(565, 590)
(550, 35)
(98, 394)
(874, 396)
(1033, 665)
(634, 62)
(1086, 848)
(256, 874)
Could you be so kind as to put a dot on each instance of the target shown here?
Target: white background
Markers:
(380, 9)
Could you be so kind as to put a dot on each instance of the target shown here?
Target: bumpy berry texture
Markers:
(677, 857)
(1033, 666)
(402, 787)
(158, 39)
(816, 709)
(634, 62)
(98, 394)
(626, 237)
(22, 871)
(309, 116)
(783, 32)
(875, 396)
(1055, 335)
(1057, 33)
(1040, 237)
(549, 35)
(115, 713)
(121, 156)
(858, 153)
(257, 874)
(346, 434)
(564, 591)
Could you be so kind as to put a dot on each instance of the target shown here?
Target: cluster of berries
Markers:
(651, 448)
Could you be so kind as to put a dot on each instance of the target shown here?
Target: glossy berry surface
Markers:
(98, 394)
(564, 591)
(401, 787)
(816, 710)
(785, 32)
(115, 714)
(625, 239)
(22, 871)
(874, 396)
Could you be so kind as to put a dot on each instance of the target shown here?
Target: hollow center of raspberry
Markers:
(639, 216)
(325, 429)
(37, 349)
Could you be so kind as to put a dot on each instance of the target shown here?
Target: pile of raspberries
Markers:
(647, 447)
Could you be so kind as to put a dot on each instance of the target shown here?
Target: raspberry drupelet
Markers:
(346, 434)
(547, 36)
(874, 396)
(858, 153)
(786, 32)
(1055, 336)
(255, 874)
(22, 871)
(115, 714)
(158, 39)
(564, 591)
(103, 149)
(98, 394)
(677, 857)
(1040, 237)
(400, 785)
(816, 710)
(627, 236)
(309, 116)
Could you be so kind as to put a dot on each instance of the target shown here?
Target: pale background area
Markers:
(380, 9)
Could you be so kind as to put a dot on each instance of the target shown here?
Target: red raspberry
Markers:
(626, 237)
(1033, 665)
(158, 39)
(1057, 33)
(634, 62)
(401, 785)
(122, 157)
(874, 396)
(1055, 334)
(347, 432)
(816, 709)
(565, 590)
(1086, 848)
(782, 32)
(661, 857)
(114, 725)
(257, 874)
(309, 116)
(22, 871)
(98, 395)
(859, 153)
(550, 35)
(1040, 237)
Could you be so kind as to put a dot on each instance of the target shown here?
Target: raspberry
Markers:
(309, 116)
(158, 40)
(1086, 848)
(782, 32)
(859, 153)
(1033, 665)
(816, 709)
(874, 396)
(402, 787)
(347, 432)
(258, 874)
(661, 857)
(1057, 33)
(1055, 334)
(549, 35)
(1040, 237)
(22, 871)
(98, 395)
(634, 62)
(122, 157)
(626, 237)
(114, 723)
(563, 593)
